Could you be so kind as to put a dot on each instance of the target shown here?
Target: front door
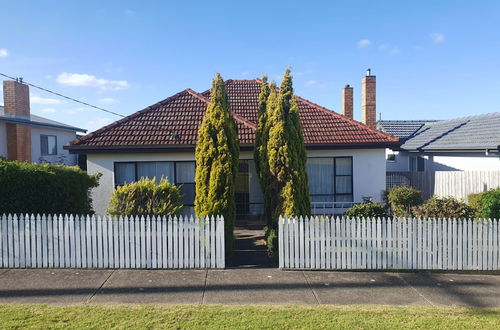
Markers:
(241, 187)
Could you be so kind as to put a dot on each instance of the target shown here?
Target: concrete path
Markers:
(245, 286)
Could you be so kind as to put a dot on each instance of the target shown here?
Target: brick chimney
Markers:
(16, 99)
(369, 99)
(347, 101)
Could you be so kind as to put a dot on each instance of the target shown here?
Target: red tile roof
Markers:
(174, 122)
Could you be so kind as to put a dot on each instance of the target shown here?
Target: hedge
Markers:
(45, 188)
(371, 210)
(145, 197)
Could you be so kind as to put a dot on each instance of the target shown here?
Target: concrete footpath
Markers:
(245, 286)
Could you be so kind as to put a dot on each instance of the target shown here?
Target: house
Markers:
(346, 158)
(27, 137)
(463, 144)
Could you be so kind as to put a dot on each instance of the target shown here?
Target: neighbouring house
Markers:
(346, 159)
(31, 138)
(463, 144)
(454, 157)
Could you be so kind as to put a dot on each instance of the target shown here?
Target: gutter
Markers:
(39, 124)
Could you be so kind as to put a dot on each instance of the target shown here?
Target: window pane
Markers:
(44, 145)
(322, 199)
(343, 185)
(343, 166)
(184, 172)
(320, 175)
(343, 198)
(188, 191)
(165, 170)
(420, 164)
(146, 170)
(52, 144)
(124, 173)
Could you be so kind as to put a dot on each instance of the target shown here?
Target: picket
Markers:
(69, 241)
(399, 243)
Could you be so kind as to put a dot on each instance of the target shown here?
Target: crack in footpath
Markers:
(415, 289)
(204, 288)
(4, 271)
(310, 287)
(100, 287)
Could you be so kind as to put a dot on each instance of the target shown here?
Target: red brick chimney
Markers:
(347, 101)
(369, 99)
(16, 99)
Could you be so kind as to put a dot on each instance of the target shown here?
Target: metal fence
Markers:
(458, 184)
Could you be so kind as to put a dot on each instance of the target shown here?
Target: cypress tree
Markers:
(260, 150)
(287, 188)
(217, 153)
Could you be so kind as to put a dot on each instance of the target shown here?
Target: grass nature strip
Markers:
(246, 317)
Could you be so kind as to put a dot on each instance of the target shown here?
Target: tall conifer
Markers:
(217, 153)
(287, 188)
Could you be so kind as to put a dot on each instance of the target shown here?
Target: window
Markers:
(330, 179)
(178, 173)
(417, 164)
(48, 145)
(391, 157)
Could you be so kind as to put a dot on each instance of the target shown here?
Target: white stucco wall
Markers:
(464, 161)
(368, 170)
(63, 138)
(3, 140)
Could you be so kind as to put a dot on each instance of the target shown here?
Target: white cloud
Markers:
(395, 51)
(437, 38)
(245, 73)
(98, 123)
(3, 52)
(383, 47)
(364, 43)
(49, 110)
(83, 79)
(303, 73)
(73, 111)
(108, 100)
(35, 99)
(314, 83)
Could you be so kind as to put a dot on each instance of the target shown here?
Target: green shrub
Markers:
(45, 188)
(490, 204)
(145, 197)
(272, 243)
(447, 207)
(371, 210)
(403, 199)
(474, 201)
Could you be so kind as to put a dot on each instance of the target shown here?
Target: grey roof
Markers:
(38, 121)
(403, 129)
(468, 133)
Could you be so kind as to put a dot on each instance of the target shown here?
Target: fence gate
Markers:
(369, 243)
(67, 241)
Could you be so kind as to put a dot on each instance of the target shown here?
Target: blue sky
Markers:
(433, 59)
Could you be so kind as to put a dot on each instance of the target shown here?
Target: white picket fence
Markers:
(67, 241)
(343, 243)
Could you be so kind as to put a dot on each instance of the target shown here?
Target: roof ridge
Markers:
(237, 117)
(335, 114)
(127, 118)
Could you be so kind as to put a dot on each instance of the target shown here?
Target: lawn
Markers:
(248, 317)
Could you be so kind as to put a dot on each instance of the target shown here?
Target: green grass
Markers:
(247, 317)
